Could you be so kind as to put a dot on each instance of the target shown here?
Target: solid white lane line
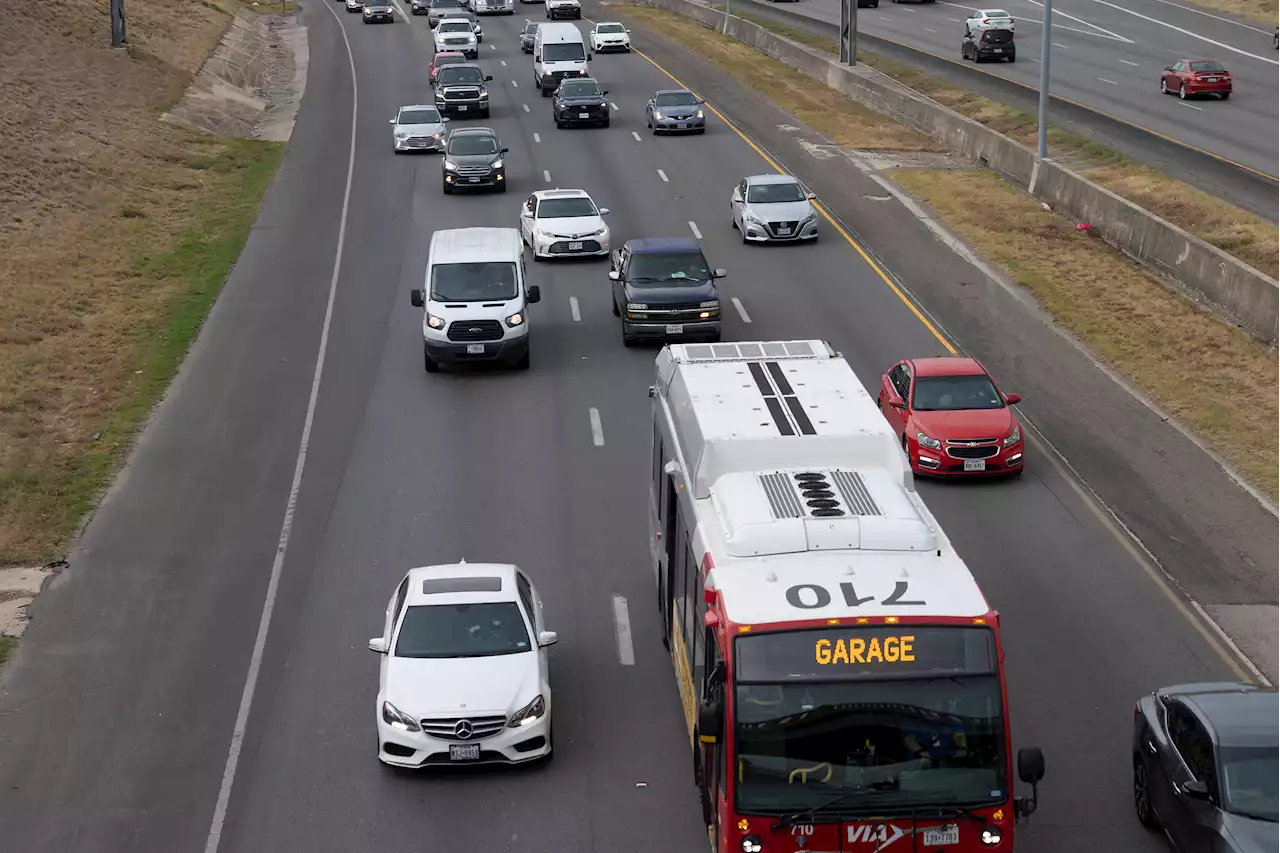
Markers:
(1215, 17)
(1187, 32)
(286, 524)
(597, 431)
(636, 135)
(693, 226)
(1127, 62)
(546, 176)
(1105, 80)
(515, 84)
(504, 62)
(1191, 106)
(573, 309)
(622, 628)
(537, 138)
(663, 175)
(742, 312)
(526, 107)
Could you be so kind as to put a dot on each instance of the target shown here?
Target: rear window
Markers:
(1207, 66)
(998, 13)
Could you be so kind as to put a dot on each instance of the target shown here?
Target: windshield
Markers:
(1249, 781)
(899, 744)
(675, 99)
(561, 208)
(1207, 66)
(470, 145)
(611, 28)
(579, 89)
(469, 74)
(955, 393)
(530, 29)
(423, 116)
(565, 52)
(462, 631)
(674, 269)
(454, 26)
(774, 193)
(492, 281)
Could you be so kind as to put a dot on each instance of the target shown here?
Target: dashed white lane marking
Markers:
(286, 524)
(493, 47)
(573, 309)
(1033, 59)
(615, 106)
(597, 431)
(1105, 80)
(663, 175)
(636, 135)
(742, 312)
(537, 138)
(952, 20)
(546, 176)
(504, 62)
(622, 628)
(1191, 106)
(887, 18)
(693, 226)
(515, 84)
(526, 107)
(1063, 46)
(929, 30)
(1127, 62)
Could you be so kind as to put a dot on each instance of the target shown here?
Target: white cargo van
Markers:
(558, 52)
(475, 299)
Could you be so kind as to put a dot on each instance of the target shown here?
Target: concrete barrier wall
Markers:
(1239, 293)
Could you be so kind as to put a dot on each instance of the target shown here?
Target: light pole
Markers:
(848, 32)
(727, 12)
(118, 38)
(1045, 44)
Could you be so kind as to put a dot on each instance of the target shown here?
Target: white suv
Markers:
(463, 677)
(610, 36)
(563, 224)
(456, 34)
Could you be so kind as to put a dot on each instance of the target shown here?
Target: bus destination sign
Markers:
(874, 651)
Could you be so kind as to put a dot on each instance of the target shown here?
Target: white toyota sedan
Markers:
(610, 36)
(463, 678)
(563, 223)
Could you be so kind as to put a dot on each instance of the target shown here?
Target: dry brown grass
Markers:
(99, 274)
(821, 107)
(1259, 11)
(1173, 351)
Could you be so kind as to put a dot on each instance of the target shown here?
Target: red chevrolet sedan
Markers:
(1188, 77)
(953, 418)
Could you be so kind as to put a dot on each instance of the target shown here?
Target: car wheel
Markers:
(444, 185)
(702, 130)
(429, 364)
(502, 187)
(715, 338)
(1013, 57)
(559, 124)
(1164, 87)
(1182, 91)
(605, 123)
(1142, 795)
(627, 340)
(522, 363)
(616, 311)
(485, 114)
(1226, 95)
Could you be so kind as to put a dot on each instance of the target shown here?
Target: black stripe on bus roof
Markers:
(802, 417)
(779, 416)
(762, 382)
(779, 378)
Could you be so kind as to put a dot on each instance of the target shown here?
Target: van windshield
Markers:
(563, 52)
(488, 281)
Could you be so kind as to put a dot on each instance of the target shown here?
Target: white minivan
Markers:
(558, 52)
(475, 299)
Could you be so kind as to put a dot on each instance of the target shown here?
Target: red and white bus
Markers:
(841, 671)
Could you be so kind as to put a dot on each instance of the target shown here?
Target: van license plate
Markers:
(584, 115)
(936, 836)
(575, 246)
(973, 465)
(478, 349)
(675, 328)
(464, 752)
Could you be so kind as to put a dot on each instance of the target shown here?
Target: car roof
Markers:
(1202, 59)
(772, 179)
(450, 54)
(559, 193)
(673, 92)
(1237, 714)
(947, 366)
(473, 131)
(662, 245)
(462, 583)
(417, 107)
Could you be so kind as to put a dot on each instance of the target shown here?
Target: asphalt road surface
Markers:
(1108, 55)
(117, 717)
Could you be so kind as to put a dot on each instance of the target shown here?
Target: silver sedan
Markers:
(773, 208)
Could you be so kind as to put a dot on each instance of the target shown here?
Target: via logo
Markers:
(871, 833)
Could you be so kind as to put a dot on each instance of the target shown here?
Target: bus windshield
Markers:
(926, 730)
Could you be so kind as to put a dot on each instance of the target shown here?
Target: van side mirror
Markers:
(415, 298)
(393, 121)
(719, 273)
(711, 721)
(533, 294)
(811, 196)
(488, 78)
(378, 644)
(614, 275)
(1013, 399)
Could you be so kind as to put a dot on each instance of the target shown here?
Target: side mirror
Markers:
(1031, 765)
(701, 101)
(445, 119)
(533, 294)
(710, 721)
(415, 298)
(503, 150)
(896, 402)
(1013, 399)
(379, 645)
(537, 57)
(719, 273)
(811, 196)
(1195, 790)
(604, 211)
(488, 78)
(547, 638)
(604, 91)
(392, 121)
(614, 275)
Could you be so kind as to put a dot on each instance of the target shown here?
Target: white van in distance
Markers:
(475, 299)
(558, 52)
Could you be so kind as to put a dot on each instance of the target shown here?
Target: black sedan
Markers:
(1205, 769)
(580, 100)
(676, 110)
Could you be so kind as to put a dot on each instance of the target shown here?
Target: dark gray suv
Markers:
(473, 160)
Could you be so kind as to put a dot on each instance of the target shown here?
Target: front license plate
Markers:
(478, 349)
(462, 108)
(675, 329)
(473, 180)
(575, 246)
(464, 751)
(584, 115)
(784, 231)
(682, 125)
(974, 465)
(939, 835)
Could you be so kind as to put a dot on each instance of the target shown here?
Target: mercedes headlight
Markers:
(637, 306)
(529, 714)
(397, 719)
(435, 322)
(1014, 437)
(928, 441)
(516, 319)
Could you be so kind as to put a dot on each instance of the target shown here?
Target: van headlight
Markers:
(435, 322)
(516, 319)
(397, 719)
(529, 714)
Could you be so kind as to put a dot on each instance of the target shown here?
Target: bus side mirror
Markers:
(1030, 771)
(710, 721)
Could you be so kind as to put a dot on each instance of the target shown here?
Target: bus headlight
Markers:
(751, 844)
(991, 836)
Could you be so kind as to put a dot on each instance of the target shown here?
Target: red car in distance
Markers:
(1188, 77)
(443, 58)
(953, 418)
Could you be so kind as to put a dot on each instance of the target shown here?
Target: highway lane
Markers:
(1108, 55)
(409, 469)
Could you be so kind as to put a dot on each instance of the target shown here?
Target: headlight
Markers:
(529, 714)
(751, 844)
(598, 233)
(450, 165)
(637, 306)
(752, 219)
(516, 319)
(394, 717)
(714, 303)
(435, 322)
(991, 836)
(1014, 437)
(700, 115)
(926, 441)
(496, 164)
(401, 134)
(657, 114)
(484, 96)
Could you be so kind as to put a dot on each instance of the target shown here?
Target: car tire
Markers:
(502, 187)
(1013, 57)
(429, 364)
(617, 312)
(1226, 96)
(605, 123)
(1142, 795)
(1164, 87)
(1182, 91)
(444, 185)
(628, 340)
(701, 130)
(522, 363)
(559, 124)
(715, 339)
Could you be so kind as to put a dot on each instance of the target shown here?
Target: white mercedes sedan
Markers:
(463, 677)
(768, 208)
(563, 224)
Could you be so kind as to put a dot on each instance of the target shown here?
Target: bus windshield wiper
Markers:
(813, 811)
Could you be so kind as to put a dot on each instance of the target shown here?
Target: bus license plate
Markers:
(675, 329)
(464, 751)
(478, 349)
(975, 464)
(937, 836)
(584, 115)
(575, 246)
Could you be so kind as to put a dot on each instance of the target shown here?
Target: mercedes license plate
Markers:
(675, 328)
(575, 246)
(478, 349)
(974, 465)
(942, 834)
(584, 115)
(462, 108)
(464, 751)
